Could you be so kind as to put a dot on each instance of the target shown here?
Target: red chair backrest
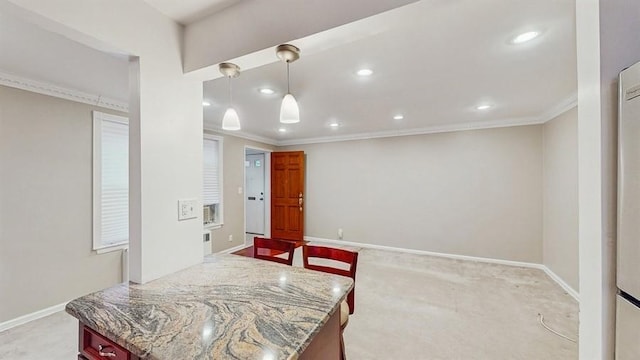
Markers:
(345, 256)
(273, 247)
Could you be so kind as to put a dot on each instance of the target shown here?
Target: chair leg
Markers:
(343, 355)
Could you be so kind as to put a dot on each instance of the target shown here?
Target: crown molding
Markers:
(245, 135)
(420, 131)
(66, 93)
(560, 108)
(97, 100)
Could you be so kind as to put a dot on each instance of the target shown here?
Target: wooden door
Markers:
(287, 195)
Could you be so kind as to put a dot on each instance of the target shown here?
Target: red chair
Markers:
(345, 256)
(268, 249)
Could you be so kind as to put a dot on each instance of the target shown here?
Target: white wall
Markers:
(165, 122)
(262, 24)
(46, 255)
(591, 240)
(36, 54)
(607, 42)
(560, 196)
(476, 193)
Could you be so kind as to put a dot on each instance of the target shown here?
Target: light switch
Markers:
(187, 209)
(239, 189)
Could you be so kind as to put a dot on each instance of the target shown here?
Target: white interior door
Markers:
(255, 193)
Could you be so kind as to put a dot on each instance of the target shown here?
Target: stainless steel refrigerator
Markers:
(628, 271)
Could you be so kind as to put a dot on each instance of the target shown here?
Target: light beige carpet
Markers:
(407, 307)
(422, 307)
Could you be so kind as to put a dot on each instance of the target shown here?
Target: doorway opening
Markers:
(257, 200)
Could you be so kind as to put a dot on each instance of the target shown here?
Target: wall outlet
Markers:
(187, 209)
(340, 233)
(230, 238)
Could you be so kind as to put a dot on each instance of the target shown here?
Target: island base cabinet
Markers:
(93, 346)
(325, 345)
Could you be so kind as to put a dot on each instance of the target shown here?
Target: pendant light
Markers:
(230, 121)
(289, 111)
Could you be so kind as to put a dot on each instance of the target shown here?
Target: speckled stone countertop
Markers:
(229, 307)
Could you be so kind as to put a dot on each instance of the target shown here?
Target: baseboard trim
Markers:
(424, 252)
(566, 287)
(233, 249)
(542, 267)
(571, 291)
(31, 317)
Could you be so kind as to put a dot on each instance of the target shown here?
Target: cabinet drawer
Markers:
(96, 347)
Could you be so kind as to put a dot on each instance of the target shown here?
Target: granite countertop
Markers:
(229, 307)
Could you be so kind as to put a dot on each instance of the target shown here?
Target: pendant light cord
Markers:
(230, 96)
(288, 91)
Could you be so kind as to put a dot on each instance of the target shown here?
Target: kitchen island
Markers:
(229, 307)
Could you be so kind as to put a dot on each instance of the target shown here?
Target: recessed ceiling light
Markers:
(282, 130)
(206, 103)
(267, 91)
(483, 107)
(524, 37)
(398, 117)
(364, 72)
(334, 125)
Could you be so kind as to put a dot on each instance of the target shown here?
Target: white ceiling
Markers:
(433, 61)
(31, 52)
(188, 11)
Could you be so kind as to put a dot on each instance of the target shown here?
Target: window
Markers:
(110, 181)
(212, 171)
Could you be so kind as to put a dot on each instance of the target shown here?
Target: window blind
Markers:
(211, 191)
(115, 182)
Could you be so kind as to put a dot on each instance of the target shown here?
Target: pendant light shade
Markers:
(231, 120)
(289, 111)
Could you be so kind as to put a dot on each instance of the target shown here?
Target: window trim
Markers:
(97, 246)
(220, 222)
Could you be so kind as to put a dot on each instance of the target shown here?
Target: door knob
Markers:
(300, 201)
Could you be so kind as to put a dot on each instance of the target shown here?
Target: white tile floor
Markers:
(407, 307)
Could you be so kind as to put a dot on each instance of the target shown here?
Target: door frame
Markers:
(267, 191)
